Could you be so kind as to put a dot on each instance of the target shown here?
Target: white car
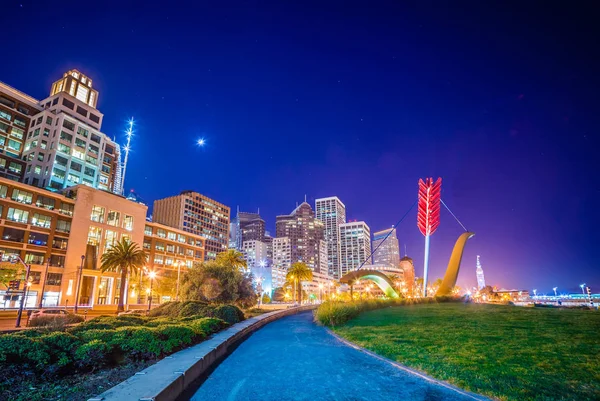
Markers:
(133, 312)
(49, 312)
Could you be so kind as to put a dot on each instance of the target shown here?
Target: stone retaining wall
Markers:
(170, 377)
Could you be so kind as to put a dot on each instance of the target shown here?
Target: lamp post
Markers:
(582, 287)
(259, 290)
(20, 312)
(321, 292)
(179, 263)
(152, 275)
(44, 284)
(79, 284)
(139, 297)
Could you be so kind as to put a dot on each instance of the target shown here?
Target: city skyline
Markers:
(384, 120)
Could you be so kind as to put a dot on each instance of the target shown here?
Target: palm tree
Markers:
(297, 273)
(233, 258)
(124, 257)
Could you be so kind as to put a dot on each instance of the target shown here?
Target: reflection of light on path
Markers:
(235, 390)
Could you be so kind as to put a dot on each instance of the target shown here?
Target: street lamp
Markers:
(321, 292)
(259, 290)
(79, 283)
(152, 275)
(179, 263)
(582, 287)
(555, 288)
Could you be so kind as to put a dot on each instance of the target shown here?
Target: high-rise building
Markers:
(256, 255)
(16, 110)
(248, 227)
(332, 212)
(62, 145)
(197, 214)
(305, 233)
(408, 274)
(479, 272)
(386, 250)
(57, 234)
(282, 260)
(355, 246)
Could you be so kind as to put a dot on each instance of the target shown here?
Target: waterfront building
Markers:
(355, 246)
(408, 274)
(197, 214)
(479, 273)
(332, 212)
(305, 233)
(62, 236)
(386, 248)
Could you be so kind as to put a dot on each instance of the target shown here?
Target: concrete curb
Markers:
(167, 379)
(411, 371)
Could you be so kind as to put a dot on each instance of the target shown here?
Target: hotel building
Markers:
(197, 214)
(355, 246)
(62, 236)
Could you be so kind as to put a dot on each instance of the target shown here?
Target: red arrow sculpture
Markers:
(428, 216)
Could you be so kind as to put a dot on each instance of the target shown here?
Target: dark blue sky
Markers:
(357, 100)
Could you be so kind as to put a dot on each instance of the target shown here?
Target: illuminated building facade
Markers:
(62, 144)
(52, 232)
(282, 260)
(305, 234)
(479, 273)
(387, 249)
(196, 214)
(248, 227)
(355, 246)
(332, 212)
(408, 273)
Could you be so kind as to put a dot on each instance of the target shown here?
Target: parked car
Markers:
(48, 312)
(133, 312)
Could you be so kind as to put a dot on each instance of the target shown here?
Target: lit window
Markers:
(82, 93)
(97, 214)
(41, 220)
(92, 98)
(128, 222)
(94, 235)
(72, 89)
(17, 215)
(113, 218)
(110, 238)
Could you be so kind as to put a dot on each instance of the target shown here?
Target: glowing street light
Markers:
(582, 287)
(152, 276)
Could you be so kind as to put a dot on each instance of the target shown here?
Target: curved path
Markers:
(295, 359)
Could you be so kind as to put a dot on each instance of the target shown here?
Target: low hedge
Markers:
(54, 321)
(229, 313)
(335, 313)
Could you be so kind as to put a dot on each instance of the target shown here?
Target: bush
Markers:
(55, 321)
(206, 326)
(17, 349)
(167, 309)
(229, 313)
(192, 308)
(138, 343)
(61, 347)
(92, 355)
(104, 335)
(160, 321)
(131, 319)
(174, 336)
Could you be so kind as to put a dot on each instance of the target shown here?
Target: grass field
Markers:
(506, 352)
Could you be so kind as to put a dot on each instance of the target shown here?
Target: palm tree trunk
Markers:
(122, 292)
(351, 292)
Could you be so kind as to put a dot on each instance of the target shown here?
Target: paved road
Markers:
(295, 359)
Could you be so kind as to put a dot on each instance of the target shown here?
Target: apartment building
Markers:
(332, 212)
(197, 214)
(355, 246)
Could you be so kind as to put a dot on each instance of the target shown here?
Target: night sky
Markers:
(354, 100)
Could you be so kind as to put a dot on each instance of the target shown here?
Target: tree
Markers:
(219, 281)
(7, 273)
(296, 274)
(232, 258)
(279, 294)
(124, 257)
(266, 299)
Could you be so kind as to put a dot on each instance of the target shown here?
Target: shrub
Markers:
(167, 309)
(61, 347)
(174, 336)
(206, 326)
(104, 335)
(160, 321)
(191, 308)
(229, 313)
(57, 321)
(138, 343)
(17, 349)
(132, 319)
(92, 355)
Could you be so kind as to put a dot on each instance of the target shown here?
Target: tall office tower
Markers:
(332, 212)
(16, 109)
(408, 274)
(479, 272)
(355, 246)
(387, 250)
(256, 254)
(282, 260)
(248, 227)
(63, 145)
(269, 241)
(304, 232)
(197, 214)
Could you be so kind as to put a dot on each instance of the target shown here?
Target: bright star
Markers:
(201, 142)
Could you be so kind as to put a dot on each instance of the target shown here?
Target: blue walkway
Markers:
(295, 359)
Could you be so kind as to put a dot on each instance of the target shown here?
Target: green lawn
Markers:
(507, 352)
